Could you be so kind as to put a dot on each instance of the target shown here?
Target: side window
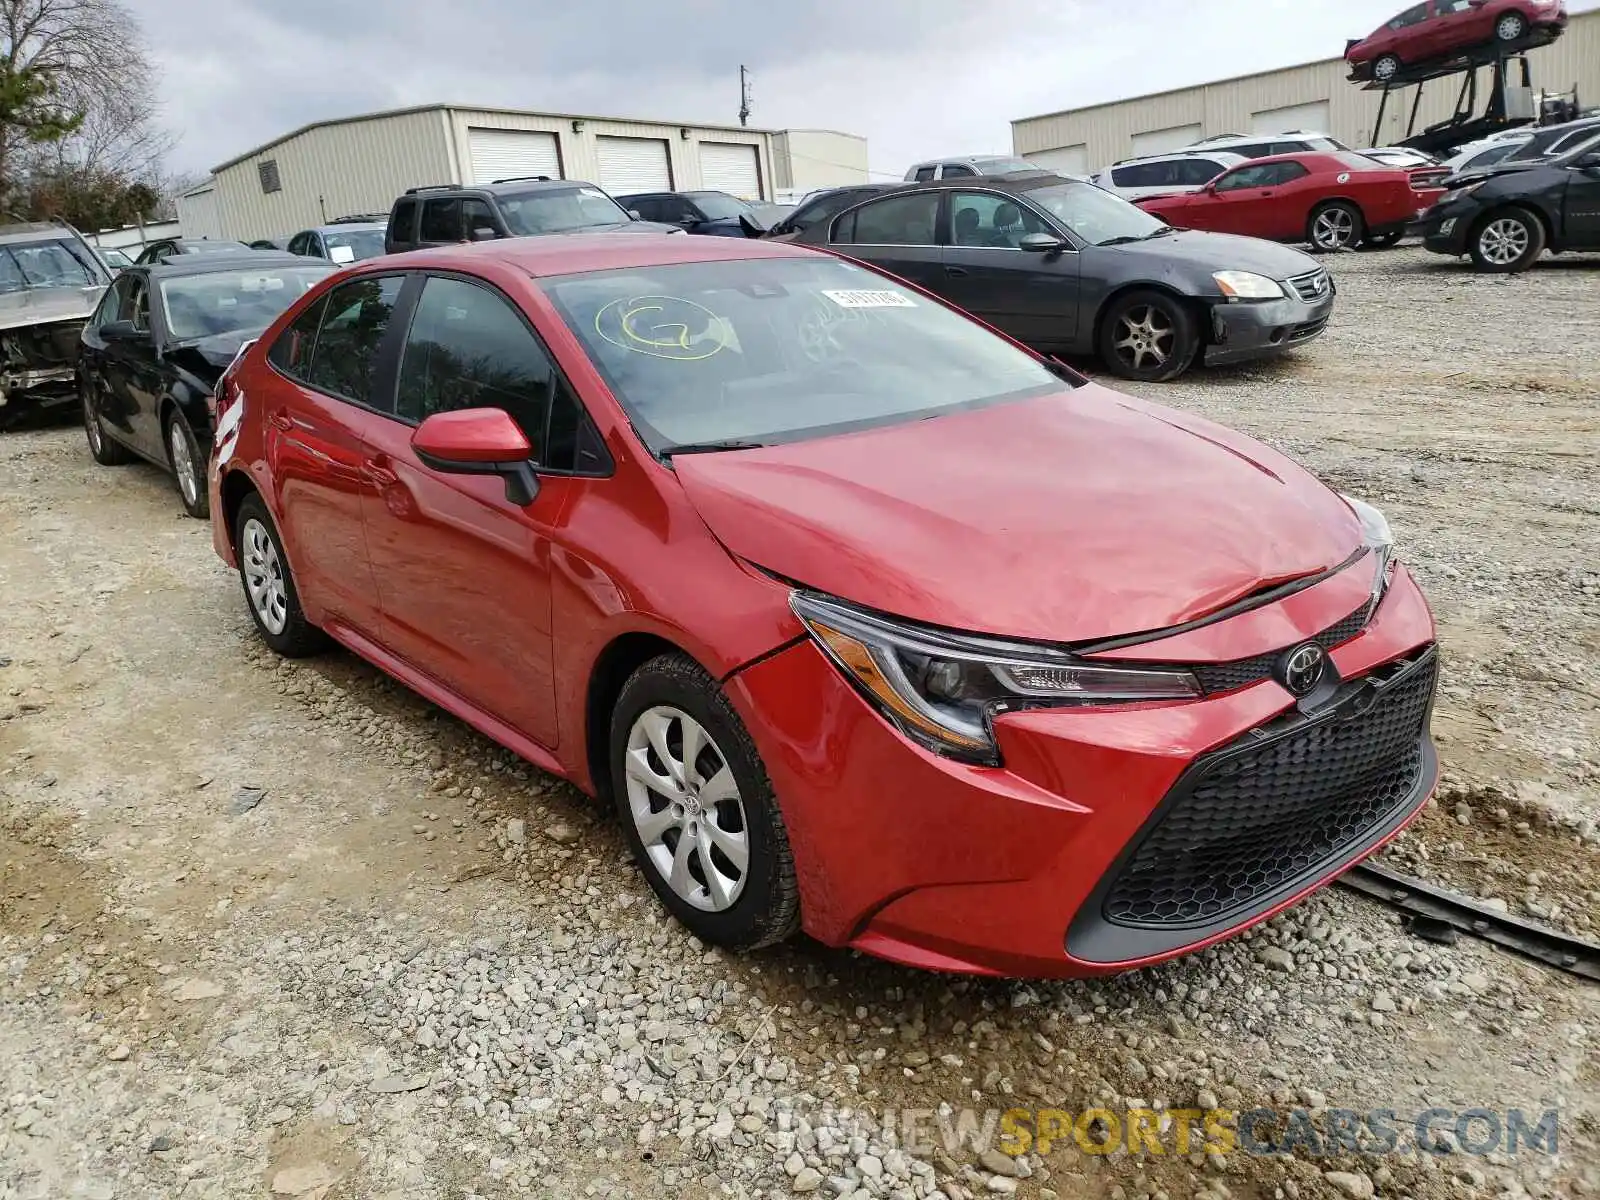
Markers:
(136, 307)
(297, 244)
(1196, 172)
(441, 221)
(648, 209)
(476, 214)
(346, 354)
(1245, 177)
(291, 353)
(957, 171)
(402, 220)
(925, 174)
(1412, 16)
(1287, 148)
(984, 219)
(116, 295)
(895, 221)
(1288, 171)
(469, 348)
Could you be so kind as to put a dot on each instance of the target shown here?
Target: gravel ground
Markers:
(273, 929)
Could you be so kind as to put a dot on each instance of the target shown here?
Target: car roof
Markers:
(1019, 182)
(208, 265)
(571, 253)
(1223, 141)
(501, 187)
(1191, 152)
(32, 231)
(339, 226)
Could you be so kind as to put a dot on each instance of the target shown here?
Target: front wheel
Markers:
(698, 809)
(1386, 68)
(1149, 336)
(269, 589)
(1336, 225)
(1507, 241)
(1511, 27)
(188, 467)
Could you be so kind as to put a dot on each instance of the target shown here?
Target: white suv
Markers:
(1291, 141)
(1165, 174)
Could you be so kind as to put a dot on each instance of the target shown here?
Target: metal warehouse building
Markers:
(360, 164)
(1317, 96)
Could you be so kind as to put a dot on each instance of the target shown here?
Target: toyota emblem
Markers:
(1302, 668)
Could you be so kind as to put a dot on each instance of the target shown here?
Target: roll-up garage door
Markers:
(1313, 118)
(512, 154)
(730, 167)
(1163, 141)
(629, 165)
(1065, 160)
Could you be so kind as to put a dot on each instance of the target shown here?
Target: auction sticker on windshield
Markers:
(869, 299)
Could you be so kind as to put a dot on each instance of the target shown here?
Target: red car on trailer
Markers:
(1335, 201)
(1441, 29)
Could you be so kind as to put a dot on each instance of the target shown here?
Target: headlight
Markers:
(1247, 285)
(1461, 193)
(943, 689)
(1376, 535)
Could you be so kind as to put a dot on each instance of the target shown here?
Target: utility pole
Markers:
(744, 96)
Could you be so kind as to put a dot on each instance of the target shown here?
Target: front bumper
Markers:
(14, 383)
(1006, 871)
(1445, 228)
(1252, 328)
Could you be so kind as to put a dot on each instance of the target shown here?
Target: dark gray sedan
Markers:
(1070, 269)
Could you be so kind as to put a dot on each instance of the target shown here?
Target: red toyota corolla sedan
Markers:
(1334, 201)
(867, 620)
(1441, 29)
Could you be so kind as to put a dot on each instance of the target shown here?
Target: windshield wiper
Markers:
(707, 447)
(1124, 238)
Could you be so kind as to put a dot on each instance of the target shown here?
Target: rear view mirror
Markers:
(479, 441)
(1040, 243)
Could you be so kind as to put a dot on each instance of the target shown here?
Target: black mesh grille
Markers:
(1229, 676)
(1247, 820)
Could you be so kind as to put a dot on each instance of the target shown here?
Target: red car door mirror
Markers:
(479, 441)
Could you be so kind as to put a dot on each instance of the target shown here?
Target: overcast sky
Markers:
(918, 78)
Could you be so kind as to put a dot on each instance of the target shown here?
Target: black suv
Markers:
(447, 214)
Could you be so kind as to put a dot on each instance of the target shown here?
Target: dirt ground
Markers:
(273, 929)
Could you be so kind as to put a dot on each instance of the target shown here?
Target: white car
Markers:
(1165, 174)
(1400, 156)
(1485, 153)
(970, 166)
(1290, 141)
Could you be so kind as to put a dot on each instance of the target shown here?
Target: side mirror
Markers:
(1040, 243)
(120, 331)
(752, 230)
(479, 441)
(634, 213)
(484, 233)
(1589, 161)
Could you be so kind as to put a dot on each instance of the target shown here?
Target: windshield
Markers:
(718, 206)
(56, 262)
(1544, 143)
(359, 243)
(556, 210)
(1362, 162)
(769, 350)
(199, 306)
(1096, 215)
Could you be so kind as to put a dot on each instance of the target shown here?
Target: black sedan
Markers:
(153, 351)
(715, 214)
(1070, 269)
(170, 248)
(1508, 215)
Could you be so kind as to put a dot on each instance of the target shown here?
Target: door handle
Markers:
(956, 272)
(376, 471)
(282, 420)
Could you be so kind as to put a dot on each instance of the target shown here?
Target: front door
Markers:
(1241, 201)
(1030, 296)
(316, 417)
(898, 234)
(464, 574)
(135, 378)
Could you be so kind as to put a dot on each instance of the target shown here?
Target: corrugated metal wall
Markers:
(351, 167)
(578, 156)
(1227, 106)
(805, 159)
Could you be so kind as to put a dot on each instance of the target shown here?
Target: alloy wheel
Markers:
(183, 463)
(1334, 229)
(1144, 332)
(263, 577)
(1503, 241)
(686, 807)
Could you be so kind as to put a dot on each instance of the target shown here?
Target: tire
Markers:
(260, 553)
(1148, 335)
(1382, 241)
(103, 449)
(1385, 67)
(1335, 225)
(1511, 27)
(188, 467)
(694, 873)
(1506, 240)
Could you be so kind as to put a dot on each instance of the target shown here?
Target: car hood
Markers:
(1076, 516)
(626, 227)
(207, 358)
(35, 306)
(1223, 252)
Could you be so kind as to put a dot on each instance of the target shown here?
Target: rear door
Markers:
(899, 234)
(331, 393)
(1032, 297)
(463, 573)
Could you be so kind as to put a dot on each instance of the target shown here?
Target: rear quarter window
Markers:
(402, 221)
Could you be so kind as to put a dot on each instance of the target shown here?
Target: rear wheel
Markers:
(1386, 67)
(1149, 336)
(1507, 240)
(698, 809)
(188, 467)
(1336, 225)
(1511, 27)
(269, 589)
(102, 449)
